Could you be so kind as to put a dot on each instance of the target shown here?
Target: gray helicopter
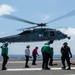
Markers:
(38, 32)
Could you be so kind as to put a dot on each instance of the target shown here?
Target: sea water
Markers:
(40, 56)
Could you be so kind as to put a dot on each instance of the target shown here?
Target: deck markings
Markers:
(33, 69)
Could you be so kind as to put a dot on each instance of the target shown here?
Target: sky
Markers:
(38, 11)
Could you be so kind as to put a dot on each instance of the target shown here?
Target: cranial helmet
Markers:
(65, 43)
(36, 47)
(46, 44)
(28, 46)
(6, 44)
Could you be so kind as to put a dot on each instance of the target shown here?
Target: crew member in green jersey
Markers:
(46, 55)
(4, 53)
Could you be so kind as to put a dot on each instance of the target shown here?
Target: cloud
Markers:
(6, 9)
(70, 31)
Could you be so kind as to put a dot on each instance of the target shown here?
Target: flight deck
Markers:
(17, 68)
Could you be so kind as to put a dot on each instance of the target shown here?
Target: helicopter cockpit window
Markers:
(52, 33)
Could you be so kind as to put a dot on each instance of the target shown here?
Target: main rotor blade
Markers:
(72, 13)
(18, 19)
(28, 28)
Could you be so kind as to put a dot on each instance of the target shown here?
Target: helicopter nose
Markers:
(67, 37)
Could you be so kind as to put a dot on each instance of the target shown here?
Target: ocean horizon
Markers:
(40, 56)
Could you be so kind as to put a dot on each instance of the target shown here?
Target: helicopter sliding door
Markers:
(52, 35)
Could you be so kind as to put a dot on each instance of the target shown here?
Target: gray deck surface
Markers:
(17, 68)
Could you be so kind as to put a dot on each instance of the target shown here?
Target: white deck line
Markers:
(33, 69)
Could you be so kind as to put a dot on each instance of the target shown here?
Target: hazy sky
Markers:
(38, 11)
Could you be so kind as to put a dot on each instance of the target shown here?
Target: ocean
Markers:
(40, 56)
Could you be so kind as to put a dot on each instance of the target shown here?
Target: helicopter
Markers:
(37, 33)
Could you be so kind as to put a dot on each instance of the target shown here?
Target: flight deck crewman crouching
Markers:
(4, 53)
(46, 55)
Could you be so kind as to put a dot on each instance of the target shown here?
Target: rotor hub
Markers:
(42, 24)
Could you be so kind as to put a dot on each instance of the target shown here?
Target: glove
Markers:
(38, 54)
(70, 56)
(30, 56)
(1, 46)
(2, 54)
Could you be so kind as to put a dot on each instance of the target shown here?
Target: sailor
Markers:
(4, 53)
(66, 55)
(45, 54)
(27, 55)
(34, 54)
(51, 58)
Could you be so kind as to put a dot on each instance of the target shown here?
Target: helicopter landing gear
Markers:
(51, 41)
